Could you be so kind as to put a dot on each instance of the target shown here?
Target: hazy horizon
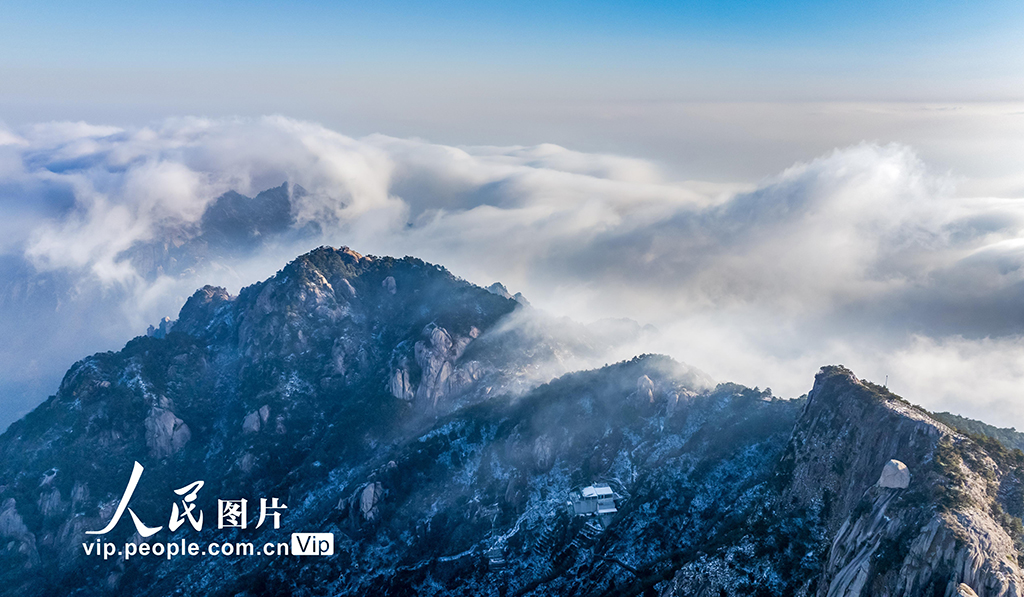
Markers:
(775, 187)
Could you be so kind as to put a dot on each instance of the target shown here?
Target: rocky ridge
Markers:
(400, 408)
(948, 526)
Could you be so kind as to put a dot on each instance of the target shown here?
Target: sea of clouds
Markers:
(862, 256)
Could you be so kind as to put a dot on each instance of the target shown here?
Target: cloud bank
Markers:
(861, 256)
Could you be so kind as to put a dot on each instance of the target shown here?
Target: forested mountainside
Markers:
(392, 404)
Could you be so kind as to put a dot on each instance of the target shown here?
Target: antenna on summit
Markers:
(886, 381)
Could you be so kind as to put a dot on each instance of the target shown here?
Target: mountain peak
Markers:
(431, 427)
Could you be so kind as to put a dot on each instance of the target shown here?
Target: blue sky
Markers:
(734, 47)
(597, 76)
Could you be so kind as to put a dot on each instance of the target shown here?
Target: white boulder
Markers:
(895, 475)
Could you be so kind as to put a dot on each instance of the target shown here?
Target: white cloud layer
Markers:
(862, 256)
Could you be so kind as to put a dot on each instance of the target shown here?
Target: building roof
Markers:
(599, 490)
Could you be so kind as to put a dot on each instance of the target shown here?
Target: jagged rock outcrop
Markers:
(645, 389)
(50, 503)
(256, 420)
(364, 505)
(161, 331)
(435, 357)
(423, 427)
(875, 534)
(369, 501)
(400, 386)
(199, 312)
(166, 434)
(441, 375)
(886, 543)
(499, 289)
(677, 399)
(17, 543)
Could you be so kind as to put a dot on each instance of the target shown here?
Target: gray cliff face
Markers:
(414, 416)
(948, 527)
(892, 541)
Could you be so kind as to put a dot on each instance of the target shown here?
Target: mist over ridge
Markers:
(862, 256)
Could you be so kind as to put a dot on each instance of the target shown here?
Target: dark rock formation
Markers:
(404, 410)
